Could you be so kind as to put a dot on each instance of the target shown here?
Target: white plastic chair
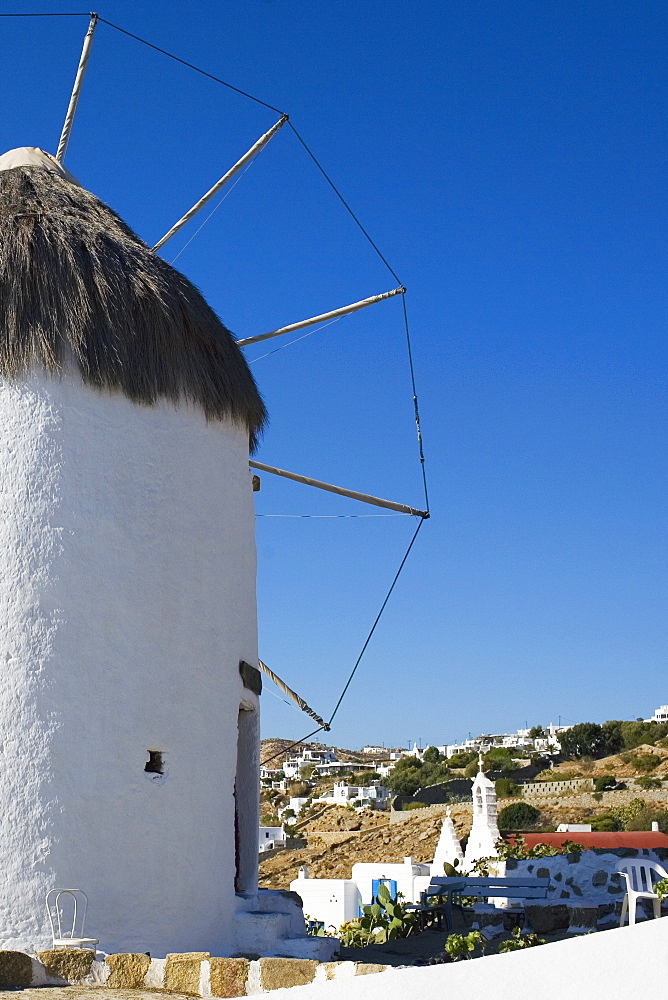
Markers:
(639, 885)
(68, 934)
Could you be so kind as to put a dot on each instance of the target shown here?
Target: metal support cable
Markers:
(415, 404)
(292, 746)
(196, 69)
(345, 204)
(378, 617)
(362, 652)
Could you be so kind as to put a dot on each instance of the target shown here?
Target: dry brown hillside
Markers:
(622, 765)
(333, 847)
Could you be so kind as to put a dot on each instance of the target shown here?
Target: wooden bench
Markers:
(444, 893)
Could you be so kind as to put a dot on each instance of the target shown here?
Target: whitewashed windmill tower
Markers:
(127, 581)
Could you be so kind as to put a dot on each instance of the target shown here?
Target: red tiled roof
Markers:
(639, 839)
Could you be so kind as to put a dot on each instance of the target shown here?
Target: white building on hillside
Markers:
(293, 768)
(374, 796)
(660, 714)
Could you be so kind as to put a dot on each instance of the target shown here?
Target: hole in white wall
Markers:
(155, 763)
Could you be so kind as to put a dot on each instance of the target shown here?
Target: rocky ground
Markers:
(339, 838)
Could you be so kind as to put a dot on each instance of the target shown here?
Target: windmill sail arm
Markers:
(353, 494)
(76, 90)
(292, 695)
(262, 141)
(334, 314)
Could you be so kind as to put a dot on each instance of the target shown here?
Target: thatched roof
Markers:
(73, 275)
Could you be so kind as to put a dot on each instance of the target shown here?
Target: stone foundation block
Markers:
(583, 918)
(368, 968)
(127, 971)
(70, 965)
(276, 973)
(15, 970)
(228, 976)
(544, 919)
(182, 971)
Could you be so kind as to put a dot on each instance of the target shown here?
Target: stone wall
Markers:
(558, 787)
(586, 881)
(652, 796)
(195, 973)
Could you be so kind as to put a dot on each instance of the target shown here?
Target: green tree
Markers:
(431, 756)
(612, 734)
(405, 762)
(518, 816)
(605, 782)
(536, 732)
(586, 739)
(471, 769)
(500, 759)
(462, 759)
(404, 780)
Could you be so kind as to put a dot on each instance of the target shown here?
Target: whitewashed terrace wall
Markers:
(609, 965)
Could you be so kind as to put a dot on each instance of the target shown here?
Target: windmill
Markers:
(130, 699)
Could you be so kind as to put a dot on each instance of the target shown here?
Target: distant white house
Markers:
(271, 837)
(296, 803)
(660, 714)
(292, 768)
(374, 796)
(341, 767)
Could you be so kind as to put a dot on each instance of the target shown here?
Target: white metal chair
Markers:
(68, 933)
(639, 885)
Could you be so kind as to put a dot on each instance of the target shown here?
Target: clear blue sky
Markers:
(510, 161)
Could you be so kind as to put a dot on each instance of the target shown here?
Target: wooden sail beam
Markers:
(292, 695)
(334, 314)
(353, 494)
(262, 141)
(76, 90)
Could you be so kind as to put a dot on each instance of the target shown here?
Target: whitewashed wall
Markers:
(127, 599)
(611, 965)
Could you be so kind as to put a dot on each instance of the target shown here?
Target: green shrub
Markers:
(462, 759)
(460, 946)
(506, 788)
(647, 761)
(550, 775)
(518, 941)
(385, 920)
(605, 782)
(407, 806)
(646, 782)
(605, 823)
(518, 816)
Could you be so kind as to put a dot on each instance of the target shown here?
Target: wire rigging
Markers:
(345, 204)
(202, 72)
(214, 210)
(415, 404)
(361, 654)
(296, 340)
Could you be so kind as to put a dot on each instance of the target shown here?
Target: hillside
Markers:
(277, 750)
(626, 764)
